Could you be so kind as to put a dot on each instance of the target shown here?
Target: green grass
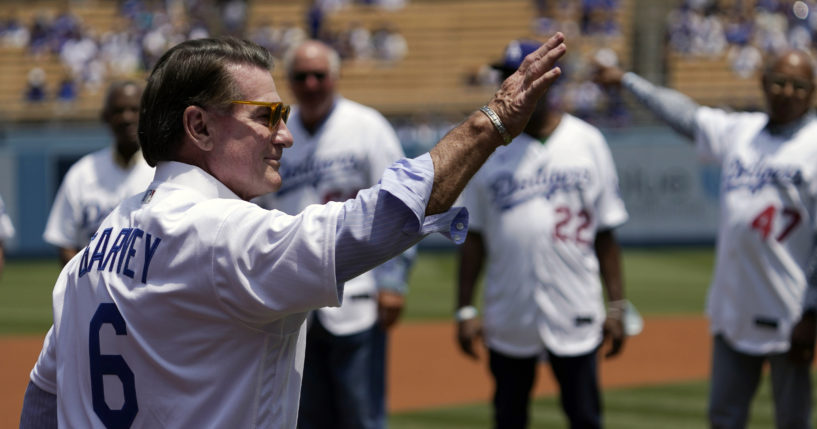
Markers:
(669, 406)
(657, 280)
(25, 295)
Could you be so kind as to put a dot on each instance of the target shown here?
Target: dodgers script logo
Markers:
(737, 175)
(508, 191)
(312, 171)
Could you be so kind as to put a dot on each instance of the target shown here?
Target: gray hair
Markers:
(331, 55)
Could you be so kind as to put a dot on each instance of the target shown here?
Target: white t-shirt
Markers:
(92, 187)
(347, 153)
(6, 227)
(538, 207)
(767, 225)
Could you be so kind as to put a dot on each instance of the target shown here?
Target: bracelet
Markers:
(497, 123)
(616, 309)
(467, 312)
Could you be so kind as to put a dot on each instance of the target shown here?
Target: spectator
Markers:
(389, 45)
(36, 86)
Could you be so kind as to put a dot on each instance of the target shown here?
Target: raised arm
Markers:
(671, 106)
(373, 226)
(463, 150)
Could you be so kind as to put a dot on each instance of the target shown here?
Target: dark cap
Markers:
(514, 54)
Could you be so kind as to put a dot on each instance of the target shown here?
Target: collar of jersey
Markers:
(790, 129)
(190, 176)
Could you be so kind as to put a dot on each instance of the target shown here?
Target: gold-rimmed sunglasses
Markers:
(278, 110)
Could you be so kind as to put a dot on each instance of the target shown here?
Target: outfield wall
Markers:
(670, 197)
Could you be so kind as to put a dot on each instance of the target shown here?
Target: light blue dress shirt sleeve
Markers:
(386, 219)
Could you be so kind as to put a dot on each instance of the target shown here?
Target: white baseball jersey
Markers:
(349, 152)
(187, 308)
(538, 207)
(91, 189)
(766, 229)
(6, 227)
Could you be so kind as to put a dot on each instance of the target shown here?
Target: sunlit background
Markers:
(422, 63)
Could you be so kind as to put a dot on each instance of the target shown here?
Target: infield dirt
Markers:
(426, 369)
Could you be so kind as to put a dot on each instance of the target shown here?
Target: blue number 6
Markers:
(110, 365)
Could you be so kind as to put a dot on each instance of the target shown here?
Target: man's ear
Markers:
(196, 121)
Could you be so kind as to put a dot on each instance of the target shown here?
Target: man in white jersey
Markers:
(96, 183)
(542, 211)
(343, 147)
(6, 233)
(188, 307)
(766, 232)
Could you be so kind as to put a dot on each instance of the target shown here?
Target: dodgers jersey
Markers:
(538, 207)
(6, 227)
(92, 187)
(347, 153)
(768, 199)
(187, 308)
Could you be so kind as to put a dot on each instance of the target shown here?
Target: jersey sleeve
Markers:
(62, 228)
(267, 264)
(610, 206)
(713, 132)
(44, 373)
(385, 149)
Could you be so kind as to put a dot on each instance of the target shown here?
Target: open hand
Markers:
(516, 99)
(607, 76)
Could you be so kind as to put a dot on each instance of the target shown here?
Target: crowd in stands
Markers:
(92, 56)
(384, 43)
(585, 18)
(741, 30)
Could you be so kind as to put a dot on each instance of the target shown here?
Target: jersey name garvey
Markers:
(129, 253)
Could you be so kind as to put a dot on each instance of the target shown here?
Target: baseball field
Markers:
(658, 381)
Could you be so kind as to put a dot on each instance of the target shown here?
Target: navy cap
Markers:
(515, 53)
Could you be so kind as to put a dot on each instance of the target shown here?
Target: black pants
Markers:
(578, 383)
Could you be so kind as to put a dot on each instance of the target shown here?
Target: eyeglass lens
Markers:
(280, 112)
(302, 76)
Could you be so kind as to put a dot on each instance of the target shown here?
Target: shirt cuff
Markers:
(410, 181)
